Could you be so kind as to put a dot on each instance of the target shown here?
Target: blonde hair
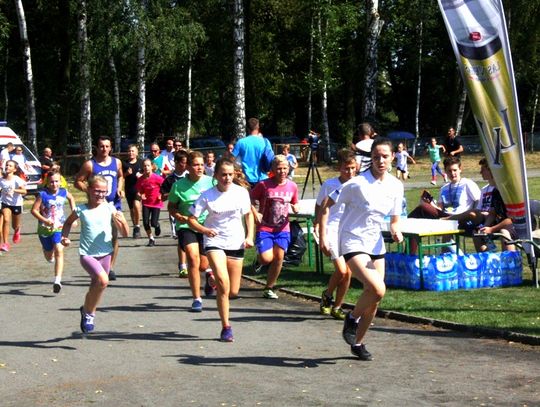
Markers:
(278, 159)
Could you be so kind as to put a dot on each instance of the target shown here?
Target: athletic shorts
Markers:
(332, 235)
(15, 210)
(373, 257)
(130, 198)
(188, 236)
(265, 241)
(233, 254)
(402, 170)
(48, 242)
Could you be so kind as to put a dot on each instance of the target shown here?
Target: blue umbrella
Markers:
(400, 135)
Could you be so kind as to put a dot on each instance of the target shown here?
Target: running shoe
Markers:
(182, 271)
(270, 294)
(433, 182)
(87, 321)
(210, 284)
(338, 313)
(151, 243)
(196, 306)
(445, 178)
(226, 335)
(361, 352)
(112, 275)
(349, 329)
(57, 287)
(326, 303)
(17, 236)
(257, 267)
(136, 232)
(4, 247)
(158, 229)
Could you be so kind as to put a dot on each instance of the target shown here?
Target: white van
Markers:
(33, 168)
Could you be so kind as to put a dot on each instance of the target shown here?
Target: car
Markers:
(206, 143)
(32, 170)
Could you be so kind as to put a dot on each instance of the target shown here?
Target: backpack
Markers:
(265, 163)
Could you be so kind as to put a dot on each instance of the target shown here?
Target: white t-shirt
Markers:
(460, 197)
(4, 156)
(225, 215)
(367, 202)
(9, 197)
(401, 160)
(363, 154)
(209, 170)
(332, 225)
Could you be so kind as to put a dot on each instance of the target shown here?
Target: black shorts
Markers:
(233, 254)
(187, 237)
(130, 198)
(402, 170)
(15, 210)
(349, 256)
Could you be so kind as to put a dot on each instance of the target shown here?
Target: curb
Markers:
(412, 319)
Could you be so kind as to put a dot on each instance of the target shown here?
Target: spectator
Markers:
(169, 151)
(46, 160)
(249, 150)
(163, 167)
(361, 146)
(178, 145)
(5, 154)
(452, 145)
(293, 162)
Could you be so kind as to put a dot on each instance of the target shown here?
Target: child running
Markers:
(368, 198)
(228, 206)
(402, 168)
(148, 187)
(434, 151)
(95, 247)
(275, 196)
(13, 190)
(341, 278)
(183, 195)
(48, 209)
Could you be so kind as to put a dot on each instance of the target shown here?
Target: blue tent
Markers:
(400, 135)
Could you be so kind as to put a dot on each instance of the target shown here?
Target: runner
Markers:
(368, 198)
(434, 151)
(402, 168)
(48, 209)
(183, 194)
(13, 190)
(132, 170)
(96, 243)
(228, 206)
(148, 187)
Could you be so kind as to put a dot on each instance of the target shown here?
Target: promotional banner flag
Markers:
(478, 34)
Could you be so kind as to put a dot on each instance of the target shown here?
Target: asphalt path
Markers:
(148, 349)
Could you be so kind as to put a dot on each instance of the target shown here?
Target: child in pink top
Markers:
(275, 196)
(148, 187)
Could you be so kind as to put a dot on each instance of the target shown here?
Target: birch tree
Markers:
(84, 73)
(189, 107)
(239, 82)
(116, 97)
(374, 24)
(29, 78)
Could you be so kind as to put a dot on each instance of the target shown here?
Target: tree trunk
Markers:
(374, 23)
(239, 85)
(188, 125)
(310, 75)
(418, 88)
(64, 96)
(324, 98)
(86, 128)
(6, 97)
(30, 97)
(141, 100)
(533, 121)
(461, 110)
(116, 97)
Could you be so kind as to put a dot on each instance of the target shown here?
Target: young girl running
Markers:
(368, 198)
(48, 209)
(275, 196)
(228, 206)
(341, 278)
(434, 151)
(148, 187)
(95, 247)
(183, 194)
(13, 190)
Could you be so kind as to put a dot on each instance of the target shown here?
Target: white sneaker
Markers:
(270, 294)
(433, 182)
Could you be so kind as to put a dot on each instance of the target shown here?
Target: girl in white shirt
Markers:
(13, 188)
(225, 238)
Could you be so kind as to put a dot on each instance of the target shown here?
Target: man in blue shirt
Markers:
(249, 150)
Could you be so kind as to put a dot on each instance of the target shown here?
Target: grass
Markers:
(515, 308)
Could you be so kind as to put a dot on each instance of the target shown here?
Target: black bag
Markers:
(265, 163)
(297, 247)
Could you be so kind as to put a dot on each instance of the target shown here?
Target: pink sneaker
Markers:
(17, 236)
(4, 247)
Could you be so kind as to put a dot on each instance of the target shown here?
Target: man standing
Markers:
(163, 167)
(5, 154)
(111, 169)
(249, 150)
(46, 160)
(452, 145)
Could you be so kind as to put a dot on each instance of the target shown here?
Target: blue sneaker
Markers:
(196, 306)
(87, 321)
(226, 335)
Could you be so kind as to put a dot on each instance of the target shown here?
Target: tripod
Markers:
(312, 169)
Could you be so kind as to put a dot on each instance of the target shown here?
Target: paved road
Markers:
(149, 350)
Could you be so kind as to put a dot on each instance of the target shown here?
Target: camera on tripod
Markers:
(313, 140)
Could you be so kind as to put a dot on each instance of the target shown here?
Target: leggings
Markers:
(150, 217)
(435, 168)
(95, 265)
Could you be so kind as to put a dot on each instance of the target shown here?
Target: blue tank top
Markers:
(52, 207)
(110, 173)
